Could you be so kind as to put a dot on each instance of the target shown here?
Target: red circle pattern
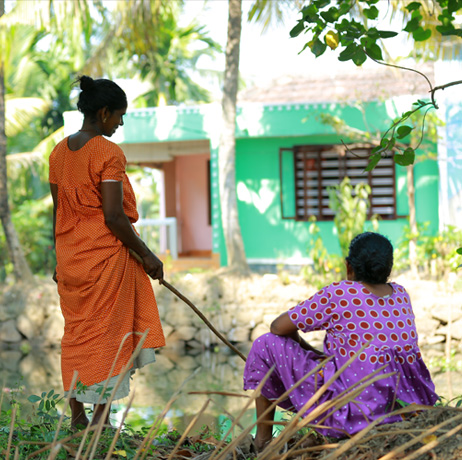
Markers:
(387, 322)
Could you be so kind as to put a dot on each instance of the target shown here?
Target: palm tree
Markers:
(264, 11)
(21, 269)
(227, 148)
(44, 14)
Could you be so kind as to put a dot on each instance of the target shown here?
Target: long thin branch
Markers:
(402, 68)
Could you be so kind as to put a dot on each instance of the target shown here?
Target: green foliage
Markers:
(350, 205)
(443, 364)
(336, 24)
(325, 268)
(356, 39)
(47, 409)
(33, 223)
(437, 256)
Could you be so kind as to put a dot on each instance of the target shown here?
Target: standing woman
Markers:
(105, 293)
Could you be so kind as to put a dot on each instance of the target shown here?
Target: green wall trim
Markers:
(162, 124)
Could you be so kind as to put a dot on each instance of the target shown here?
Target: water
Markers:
(153, 386)
(156, 384)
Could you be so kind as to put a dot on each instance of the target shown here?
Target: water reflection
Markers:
(153, 386)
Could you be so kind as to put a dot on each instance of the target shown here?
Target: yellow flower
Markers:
(434, 256)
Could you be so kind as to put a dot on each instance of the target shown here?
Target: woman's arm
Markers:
(282, 325)
(117, 221)
(54, 195)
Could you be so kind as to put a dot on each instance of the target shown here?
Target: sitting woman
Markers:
(366, 310)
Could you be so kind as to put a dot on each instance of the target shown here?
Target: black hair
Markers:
(371, 257)
(100, 93)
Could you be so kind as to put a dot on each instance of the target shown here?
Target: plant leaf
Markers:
(406, 158)
(403, 131)
(34, 398)
(374, 159)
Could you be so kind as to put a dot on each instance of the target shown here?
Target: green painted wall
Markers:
(267, 236)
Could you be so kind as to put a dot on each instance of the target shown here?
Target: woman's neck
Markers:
(380, 290)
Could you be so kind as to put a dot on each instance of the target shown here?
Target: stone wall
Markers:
(240, 309)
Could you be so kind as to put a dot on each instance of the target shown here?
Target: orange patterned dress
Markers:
(105, 293)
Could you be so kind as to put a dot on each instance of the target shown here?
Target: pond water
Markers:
(156, 384)
(175, 374)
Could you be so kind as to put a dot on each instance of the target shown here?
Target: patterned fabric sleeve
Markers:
(313, 314)
(111, 164)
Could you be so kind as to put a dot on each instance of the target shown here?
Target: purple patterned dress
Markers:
(351, 316)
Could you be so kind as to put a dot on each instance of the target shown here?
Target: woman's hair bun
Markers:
(86, 82)
(371, 257)
(99, 93)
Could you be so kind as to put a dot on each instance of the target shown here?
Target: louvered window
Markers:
(318, 167)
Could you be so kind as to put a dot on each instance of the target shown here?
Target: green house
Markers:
(286, 157)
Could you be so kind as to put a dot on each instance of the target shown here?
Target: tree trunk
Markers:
(412, 221)
(20, 268)
(227, 149)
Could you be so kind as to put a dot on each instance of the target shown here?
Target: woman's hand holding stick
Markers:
(189, 303)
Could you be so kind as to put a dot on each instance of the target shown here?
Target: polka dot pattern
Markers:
(105, 294)
(353, 318)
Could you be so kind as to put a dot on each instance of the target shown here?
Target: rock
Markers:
(9, 333)
(206, 337)
(53, 329)
(456, 330)
(238, 334)
(33, 371)
(32, 319)
(258, 330)
(186, 332)
(9, 360)
(188, 362)
(167, 329)
(195, 346)
(442, 312)
(434, 339)
(268, 319)
(164, 362)
(27, 327)
(223, 321)
(7, 312)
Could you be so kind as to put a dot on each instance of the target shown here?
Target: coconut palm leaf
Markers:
(20, 111)
(267, 11)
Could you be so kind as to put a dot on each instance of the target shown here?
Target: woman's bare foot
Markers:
(79, 419)
(98, 413)
(261, 443)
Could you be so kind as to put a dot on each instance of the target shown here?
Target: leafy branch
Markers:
(335, 26)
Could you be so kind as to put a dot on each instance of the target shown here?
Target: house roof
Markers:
(361, 83)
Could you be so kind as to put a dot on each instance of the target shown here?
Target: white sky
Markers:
(263, 56)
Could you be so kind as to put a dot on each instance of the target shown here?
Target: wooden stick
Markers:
(196, 310)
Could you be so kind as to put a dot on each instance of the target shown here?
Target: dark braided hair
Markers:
(100, 93)
(371, 257)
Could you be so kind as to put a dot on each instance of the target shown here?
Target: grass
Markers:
(47, 435)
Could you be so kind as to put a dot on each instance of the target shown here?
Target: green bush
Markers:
(436, 254)
(34, 225)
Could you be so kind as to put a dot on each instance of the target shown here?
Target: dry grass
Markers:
(432, 434)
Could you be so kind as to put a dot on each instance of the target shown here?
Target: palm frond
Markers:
(21, 111)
